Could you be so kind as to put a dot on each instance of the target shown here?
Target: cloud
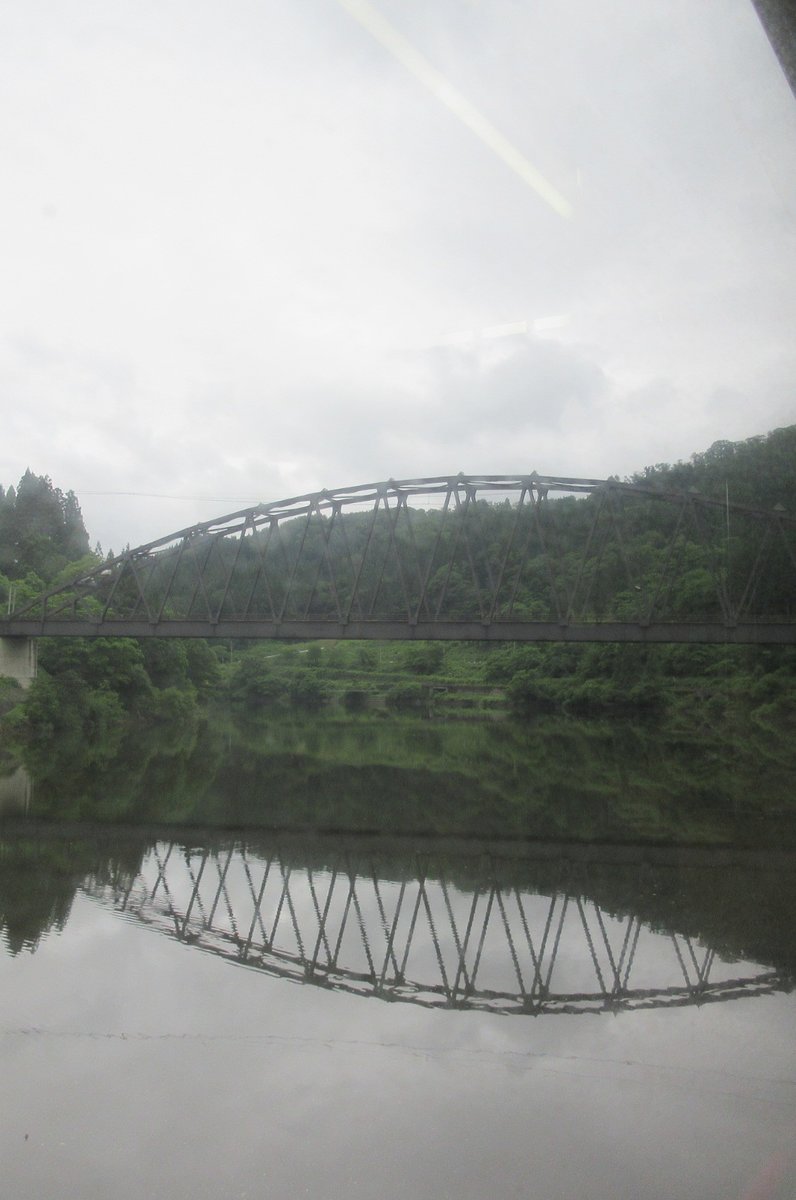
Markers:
(527, 384)
(229, 246)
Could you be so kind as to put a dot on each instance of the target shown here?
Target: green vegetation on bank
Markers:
(702, 684)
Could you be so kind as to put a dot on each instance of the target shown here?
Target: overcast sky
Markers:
(262, 247)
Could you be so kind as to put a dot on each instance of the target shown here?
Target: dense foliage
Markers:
(760, 471)
(86, 687)
(41, 529)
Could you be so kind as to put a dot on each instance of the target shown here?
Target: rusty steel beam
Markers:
(745, 633)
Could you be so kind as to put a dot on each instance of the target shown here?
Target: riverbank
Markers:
(91, 690)
(701, 684)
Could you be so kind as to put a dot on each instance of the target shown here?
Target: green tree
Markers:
(41, 529)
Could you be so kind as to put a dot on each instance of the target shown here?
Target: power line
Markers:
(166, 496)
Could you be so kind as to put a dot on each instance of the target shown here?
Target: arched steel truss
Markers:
(478, 557)
(497, 948)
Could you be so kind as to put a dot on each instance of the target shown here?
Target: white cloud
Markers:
(226, 244)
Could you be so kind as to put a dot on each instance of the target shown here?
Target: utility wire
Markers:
(166, 496)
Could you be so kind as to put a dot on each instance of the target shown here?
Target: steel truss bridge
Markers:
(475, 557)
(491, 945)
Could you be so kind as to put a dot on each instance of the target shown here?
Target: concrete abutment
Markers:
(18, 658)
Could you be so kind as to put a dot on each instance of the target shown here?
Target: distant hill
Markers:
(760, 471)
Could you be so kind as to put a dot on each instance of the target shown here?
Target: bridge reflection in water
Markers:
(483, 941)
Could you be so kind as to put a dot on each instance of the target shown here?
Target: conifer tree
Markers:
(41, 529)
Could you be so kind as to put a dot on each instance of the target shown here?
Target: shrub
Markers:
(407, 698)
(426, 658)
(175, 704)
(308, 691)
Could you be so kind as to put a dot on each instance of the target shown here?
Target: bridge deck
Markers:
(715, 633)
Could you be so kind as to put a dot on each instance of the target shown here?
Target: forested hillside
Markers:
(760, 471)
(525, 564)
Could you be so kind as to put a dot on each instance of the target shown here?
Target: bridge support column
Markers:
(15, 793)
(18, 658)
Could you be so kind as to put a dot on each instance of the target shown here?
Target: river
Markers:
(379, 957)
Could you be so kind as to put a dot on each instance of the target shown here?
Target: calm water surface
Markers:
(377, 959)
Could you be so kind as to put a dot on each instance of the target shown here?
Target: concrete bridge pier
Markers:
(18, 658)
(16, 791)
